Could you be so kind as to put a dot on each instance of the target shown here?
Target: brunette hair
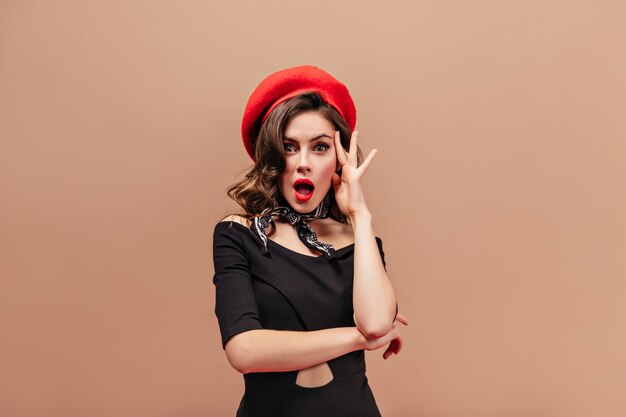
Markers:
(259, 189)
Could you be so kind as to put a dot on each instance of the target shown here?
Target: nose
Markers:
(304, 164)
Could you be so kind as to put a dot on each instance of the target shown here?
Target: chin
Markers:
(304, 206)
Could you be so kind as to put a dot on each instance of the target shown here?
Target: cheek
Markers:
(330, 168)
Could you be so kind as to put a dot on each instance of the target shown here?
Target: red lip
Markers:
(302, 197)
(303, 180)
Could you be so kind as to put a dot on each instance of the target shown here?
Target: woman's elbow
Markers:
(238, 353)
(374, 331)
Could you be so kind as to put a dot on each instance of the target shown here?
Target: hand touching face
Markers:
(347, 186)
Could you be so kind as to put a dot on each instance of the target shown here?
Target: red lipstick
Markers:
(303, 189)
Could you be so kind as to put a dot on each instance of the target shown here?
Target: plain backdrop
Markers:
(498, 191)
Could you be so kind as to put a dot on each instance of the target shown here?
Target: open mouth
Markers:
(303, 189)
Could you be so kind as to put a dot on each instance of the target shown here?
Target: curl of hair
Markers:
(259, 189)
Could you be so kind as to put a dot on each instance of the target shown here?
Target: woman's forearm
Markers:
(373, 298)
(283, 350)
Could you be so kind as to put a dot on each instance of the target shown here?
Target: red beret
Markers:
(288, 83)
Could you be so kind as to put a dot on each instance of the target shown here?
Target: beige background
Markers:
(498, 191)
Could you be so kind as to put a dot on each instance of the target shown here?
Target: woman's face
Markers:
(309, 154)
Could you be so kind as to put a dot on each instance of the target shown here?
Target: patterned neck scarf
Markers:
(298, 221)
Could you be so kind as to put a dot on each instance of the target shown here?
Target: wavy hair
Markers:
(259, 189)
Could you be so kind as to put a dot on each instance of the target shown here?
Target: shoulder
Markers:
(226, 227)
(340, 234)
(237, 219)
(345, 232)
(228, 235)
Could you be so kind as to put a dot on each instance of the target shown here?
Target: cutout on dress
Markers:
(316, 376)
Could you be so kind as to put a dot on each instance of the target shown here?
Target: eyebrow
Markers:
(323, 135)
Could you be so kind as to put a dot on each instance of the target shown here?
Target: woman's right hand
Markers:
(392, 337)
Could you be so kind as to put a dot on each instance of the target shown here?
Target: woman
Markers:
(301, 283)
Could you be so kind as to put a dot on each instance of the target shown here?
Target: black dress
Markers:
(289, 291)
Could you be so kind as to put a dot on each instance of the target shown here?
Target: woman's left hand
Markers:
(395, 346)
(348, 193)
